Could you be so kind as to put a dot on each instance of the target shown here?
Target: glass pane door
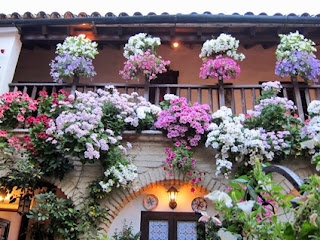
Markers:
(158, 230)
(186, 230)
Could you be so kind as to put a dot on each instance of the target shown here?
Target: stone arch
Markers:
(119, 199)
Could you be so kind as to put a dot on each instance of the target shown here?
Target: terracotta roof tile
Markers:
(68, 14)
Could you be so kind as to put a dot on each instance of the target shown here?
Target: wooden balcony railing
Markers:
(239, 98)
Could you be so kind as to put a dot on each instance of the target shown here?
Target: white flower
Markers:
(226, 235)
(314, 107)
(168, 97)
(219, 196)
(246, 206)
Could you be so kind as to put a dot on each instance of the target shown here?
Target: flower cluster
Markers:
(184, 123)
(224, 44)
(139, 44)
(275, 86)
(148, 64)
(15, 107)
(220, 68)
(291, 42)
(295, 57)
(277, 123)
(94, 122)
(74, 58)
(310, 133)
(119, 176)
(78, 46)
(233, 142)
(181, 160)
(140, 52)
(299, 63)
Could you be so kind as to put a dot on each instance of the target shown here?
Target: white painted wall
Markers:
(131, 213)
(10, 42)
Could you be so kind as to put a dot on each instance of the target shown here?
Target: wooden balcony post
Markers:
(221, 94)
(74, 84)
(297, 96)
(146, 88)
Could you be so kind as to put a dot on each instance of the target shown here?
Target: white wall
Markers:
(10, 42)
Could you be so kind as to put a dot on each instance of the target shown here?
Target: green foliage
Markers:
(61, 213)
(110, 119)
(63, 220)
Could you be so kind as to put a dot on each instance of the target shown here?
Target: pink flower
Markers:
(20, 118)
(27, 139)
(3, 133)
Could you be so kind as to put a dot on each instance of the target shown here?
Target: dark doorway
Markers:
(169, 225)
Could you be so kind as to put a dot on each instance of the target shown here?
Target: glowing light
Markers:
(175, 44)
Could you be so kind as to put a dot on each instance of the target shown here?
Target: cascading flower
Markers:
(147, 64)
(220, 68)
(141, 55)
(299, 63)
(74, 58)
(184, 123)
(295, 57)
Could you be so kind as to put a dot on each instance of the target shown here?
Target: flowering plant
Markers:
(277, 122)
(233, 142)
(138, 44)
(15, 107)
(148, 64)
(291, 42)
(140, 52)
(310, 133)
(248, 210)
(74, 58)
(181, 160)
(184, 123)
(220, 68)
(295, 57)
(299, 63)
(119, 176)
(225, 44)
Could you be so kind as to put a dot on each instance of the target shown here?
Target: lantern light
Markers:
(172, 193)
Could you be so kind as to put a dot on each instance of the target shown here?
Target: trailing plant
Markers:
(220, 68)
(74, 58)
(181, 161)
(141, 55)
(295, 57)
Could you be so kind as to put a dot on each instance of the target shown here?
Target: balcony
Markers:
(239, 98)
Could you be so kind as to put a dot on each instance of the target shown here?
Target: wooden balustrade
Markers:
(239, 98)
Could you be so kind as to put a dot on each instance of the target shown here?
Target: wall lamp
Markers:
(172, 193)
